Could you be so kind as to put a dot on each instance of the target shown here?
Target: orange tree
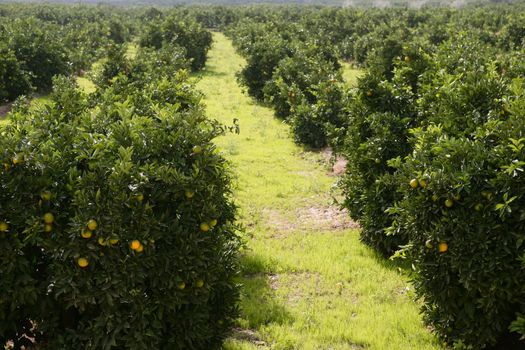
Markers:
(438, 148)
(462, 213)
(185, 32)
(117, 227)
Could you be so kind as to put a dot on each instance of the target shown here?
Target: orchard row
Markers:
(117, 227)
(434, 138)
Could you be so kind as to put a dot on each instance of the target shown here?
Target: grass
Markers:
(350, 73)
(307, 285)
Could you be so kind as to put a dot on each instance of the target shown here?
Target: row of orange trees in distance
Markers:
(38, 42)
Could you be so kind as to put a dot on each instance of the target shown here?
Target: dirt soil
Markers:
(329, 218)
(5, 108)
(338, 164)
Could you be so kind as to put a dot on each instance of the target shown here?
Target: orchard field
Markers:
(262, 177)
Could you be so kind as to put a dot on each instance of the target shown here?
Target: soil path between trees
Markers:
(308, 283)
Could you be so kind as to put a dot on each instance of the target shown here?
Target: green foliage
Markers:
(321, 122)
(137, 158)
(379, 117)
(262, 59)
(38, 49)
(186, 33)
(308, 66)
(433, 150)
(472, 201)
(41, 41)
(116, 63)
(14, 81)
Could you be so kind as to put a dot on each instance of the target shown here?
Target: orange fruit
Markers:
(423, 183)
(435, 197)
(213, 223)
(102, 241)
(196, 149)
(443, 247)
(135, 244)
(140, 197)
(205, 227)
(92, 225)
(478, 207)
(48, 227)
(113, 241)
(449, 203)
(189, 194)
(49, 218)
(429, 244)
(46, 195)
(82, 262)
(181, 285)
(413, 183)
(140, 249)
(3, 226)
(199, 283)
(86, 234)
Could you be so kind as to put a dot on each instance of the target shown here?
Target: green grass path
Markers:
(308, 283)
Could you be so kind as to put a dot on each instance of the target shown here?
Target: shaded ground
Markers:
(4, 109)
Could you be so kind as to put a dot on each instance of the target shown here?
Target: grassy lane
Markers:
(350, 74)
(308, 281)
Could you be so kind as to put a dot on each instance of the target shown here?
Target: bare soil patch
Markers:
(337, 163)
(315, 218)
(5, 108)
(249, 336)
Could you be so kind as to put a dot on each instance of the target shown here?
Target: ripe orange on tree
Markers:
(49, 218)
(83, 262)
(92, 225)
(443, 247)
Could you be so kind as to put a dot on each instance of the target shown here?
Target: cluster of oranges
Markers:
(449, 202)
(206, 226)
(87, 233)
(415, 183)
(49, 218)
(442, 246)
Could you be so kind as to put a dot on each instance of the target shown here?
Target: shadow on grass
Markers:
(259, 304)
(397, 264)
(210, 72)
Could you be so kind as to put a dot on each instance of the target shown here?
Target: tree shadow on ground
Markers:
(398, 264)
(259, 303)
(209, 71)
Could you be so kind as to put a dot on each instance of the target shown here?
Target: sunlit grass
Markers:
(3, 122)
(303, 288)
(86, 84)
(350, 73)
(132, 50)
